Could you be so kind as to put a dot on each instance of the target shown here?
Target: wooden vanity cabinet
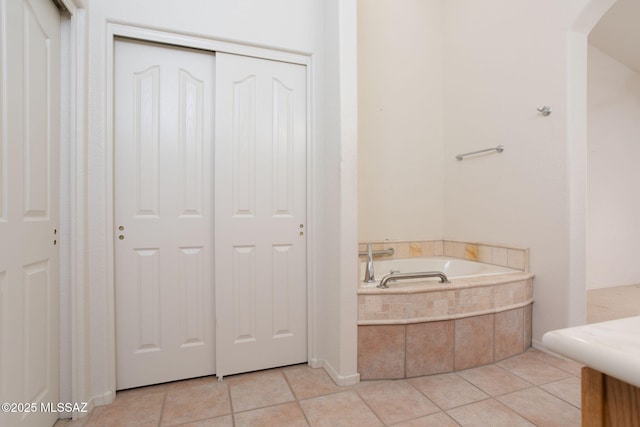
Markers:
(608, 401)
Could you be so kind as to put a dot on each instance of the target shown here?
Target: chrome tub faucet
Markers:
(369, 276)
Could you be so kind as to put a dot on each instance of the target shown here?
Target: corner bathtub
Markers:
(422, 326)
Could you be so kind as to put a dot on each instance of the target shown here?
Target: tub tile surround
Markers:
(428, 348)
(438, 357)
(439, 328)
(504, 256)
(442, 302)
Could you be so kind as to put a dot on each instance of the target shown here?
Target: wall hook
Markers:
(545, 110)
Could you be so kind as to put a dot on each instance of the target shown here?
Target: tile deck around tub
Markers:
(532, 388)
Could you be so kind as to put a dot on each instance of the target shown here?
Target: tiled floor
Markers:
(533, 388)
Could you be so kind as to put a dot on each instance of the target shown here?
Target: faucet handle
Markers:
(369, 276)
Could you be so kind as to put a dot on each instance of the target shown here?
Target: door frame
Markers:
(124, 31)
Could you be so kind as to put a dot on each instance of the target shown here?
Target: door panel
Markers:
(29, 193)
(260, 214)
(164, 213)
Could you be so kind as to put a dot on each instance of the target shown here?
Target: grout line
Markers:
(473, 385)
(295, 396)
(493, 340)
(405, 353)
(164, 400)
(233, 413)
(286, 380)
(555, 395)
(425, 395)
(375, 414)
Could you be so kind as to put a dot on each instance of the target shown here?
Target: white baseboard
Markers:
(593, 287)
(341, 380)
(315, 363)
(104, 399)
(539, 346)
(101, 400)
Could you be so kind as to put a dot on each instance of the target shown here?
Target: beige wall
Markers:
(613, 196)
(400, 127)
(488, 66)
(501, 67)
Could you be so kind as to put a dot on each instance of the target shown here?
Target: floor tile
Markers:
(568, 390)
(150, 388)
(339, 409)
(569, 366)
(530, 368)
(287, 414)
(185, 384)
(199, 401)
(487, 413)
(396, 401)
(308, 382)
(434, 420)
(81, 422)
(494, 380)
(259, 389)
(130, 408)
(299, 396)
(448, 390)
(226, 421)
(542, 408)
(366, 383)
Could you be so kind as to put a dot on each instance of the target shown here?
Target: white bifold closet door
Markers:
(163, 195)
(29, 211)
(260, 214)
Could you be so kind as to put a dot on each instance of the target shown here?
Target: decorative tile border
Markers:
(504, 256)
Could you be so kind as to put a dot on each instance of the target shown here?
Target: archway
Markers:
(577, 43)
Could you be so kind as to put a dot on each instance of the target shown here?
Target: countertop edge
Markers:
(596, 354)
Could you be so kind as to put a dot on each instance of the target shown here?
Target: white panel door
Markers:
(163, 191)
(29, 173)
(260, 186)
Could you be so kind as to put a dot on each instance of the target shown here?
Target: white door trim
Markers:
(114, 30)
(75, 343)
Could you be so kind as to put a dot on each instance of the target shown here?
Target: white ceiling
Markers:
(618, 33)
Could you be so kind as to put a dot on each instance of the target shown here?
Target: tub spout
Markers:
(369, 276)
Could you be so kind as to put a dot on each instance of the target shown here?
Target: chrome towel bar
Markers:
(499, 149)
